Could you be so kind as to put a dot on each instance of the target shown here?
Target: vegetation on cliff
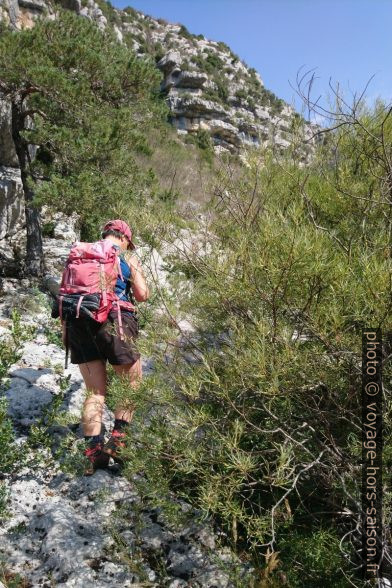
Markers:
(255, 419)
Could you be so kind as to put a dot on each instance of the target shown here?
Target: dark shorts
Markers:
(89, 341)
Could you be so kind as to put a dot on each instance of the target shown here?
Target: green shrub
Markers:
(202, 139)
(241, 94)
(4, 500)
(222, 88)
(210, 94)
(213, 61)
(224, 47)
(10, 346)
(9, 452)
(312, 559)
(53, 332)
(251, 104)
(48, 229)
(254, 427)
(10, 353)
(183, 32)
(128, 39)
(10, 579)
(131, 11)
(268, 98)
(159, 52)
(198, 60)
(211, 64)
(168, 196)
(109, 12)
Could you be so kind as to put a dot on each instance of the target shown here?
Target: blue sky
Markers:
(348, 40)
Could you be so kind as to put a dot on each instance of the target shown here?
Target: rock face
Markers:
(21, 14)
(209, 88)
(56, 245)
(11, 198)
(61, 231)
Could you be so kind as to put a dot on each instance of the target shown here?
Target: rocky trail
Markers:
(65, 529)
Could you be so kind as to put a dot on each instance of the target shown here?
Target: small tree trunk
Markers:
(34, 261)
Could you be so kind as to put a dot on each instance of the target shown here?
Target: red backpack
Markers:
(88, 282)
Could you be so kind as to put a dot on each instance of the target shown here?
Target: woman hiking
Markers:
(92, 344)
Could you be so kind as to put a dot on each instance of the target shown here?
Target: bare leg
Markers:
(134, 373)
(95, 378)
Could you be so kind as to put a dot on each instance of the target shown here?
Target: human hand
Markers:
(138, 281)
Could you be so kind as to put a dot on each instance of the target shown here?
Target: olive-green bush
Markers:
(257, 416)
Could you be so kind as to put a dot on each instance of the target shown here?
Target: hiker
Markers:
(92, 344)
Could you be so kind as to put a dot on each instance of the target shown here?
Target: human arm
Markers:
(139, 286)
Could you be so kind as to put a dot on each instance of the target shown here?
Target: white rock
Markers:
(25, 402)
(186, 326)
(118, 33)
(171, 60)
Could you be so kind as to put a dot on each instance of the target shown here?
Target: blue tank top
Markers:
(123, 286)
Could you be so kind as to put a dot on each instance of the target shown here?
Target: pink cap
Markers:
(119, 225)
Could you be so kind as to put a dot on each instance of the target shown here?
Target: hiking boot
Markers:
(96, 457)
(115, 445)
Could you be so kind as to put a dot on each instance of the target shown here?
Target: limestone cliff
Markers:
(207, 87)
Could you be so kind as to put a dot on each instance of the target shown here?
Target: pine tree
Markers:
(81, 106)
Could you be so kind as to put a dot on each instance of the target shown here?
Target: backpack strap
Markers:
(119, 268)
(79, 305)
(119, 319)
(120, 322)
